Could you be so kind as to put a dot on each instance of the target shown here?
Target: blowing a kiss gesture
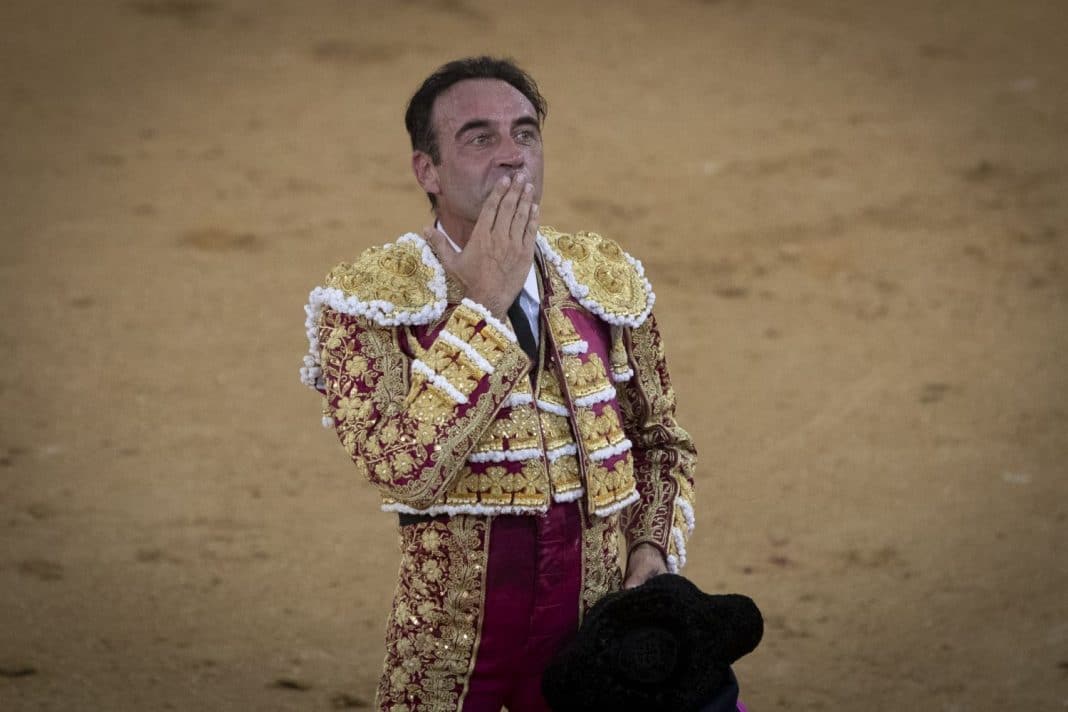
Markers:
(493, 266)
(497, 257)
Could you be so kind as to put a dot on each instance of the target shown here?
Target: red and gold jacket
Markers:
(430, 394)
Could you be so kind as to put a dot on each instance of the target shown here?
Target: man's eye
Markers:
(480, 139)
(527, 136)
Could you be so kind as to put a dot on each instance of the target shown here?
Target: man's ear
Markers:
(425, 172)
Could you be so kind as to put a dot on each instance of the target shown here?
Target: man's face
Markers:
(485, 128)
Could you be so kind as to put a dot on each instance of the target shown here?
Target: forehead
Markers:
(474, 99)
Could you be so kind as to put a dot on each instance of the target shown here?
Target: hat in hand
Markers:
(664, 646)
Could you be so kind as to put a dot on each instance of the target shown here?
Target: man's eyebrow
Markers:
(526, 121)
(486, 123)
(473, 124)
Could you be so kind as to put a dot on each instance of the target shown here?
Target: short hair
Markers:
(417, 117)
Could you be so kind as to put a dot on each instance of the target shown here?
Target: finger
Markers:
(440, 244)
(530, 234)
(488, 214)
(635, 579)
(506, 210)
(522, 213)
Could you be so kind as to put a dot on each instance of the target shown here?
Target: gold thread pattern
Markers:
(394, 273)
(437, 610)
(411, 441)
(599, 264)
(601, 573)
(564, 474)
(663, 453)
(585, 374)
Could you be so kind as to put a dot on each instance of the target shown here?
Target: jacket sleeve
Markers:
(664, 454)
(409, 424)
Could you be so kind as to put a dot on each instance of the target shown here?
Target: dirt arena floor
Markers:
(855, 215)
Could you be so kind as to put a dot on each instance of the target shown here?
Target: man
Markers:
(504, 386)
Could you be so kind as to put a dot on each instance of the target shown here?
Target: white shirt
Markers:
(529, 297)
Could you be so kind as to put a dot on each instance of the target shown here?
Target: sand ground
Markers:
(855, 215)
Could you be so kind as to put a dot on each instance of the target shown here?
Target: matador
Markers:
(525, 438)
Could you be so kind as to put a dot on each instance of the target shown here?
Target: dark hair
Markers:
(417, 117)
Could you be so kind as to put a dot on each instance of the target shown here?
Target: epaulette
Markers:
(600, 275)
(398, 283)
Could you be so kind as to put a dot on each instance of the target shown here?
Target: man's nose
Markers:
(510, 153)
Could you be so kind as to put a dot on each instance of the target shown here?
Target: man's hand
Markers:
(497, 257)
(645, 562)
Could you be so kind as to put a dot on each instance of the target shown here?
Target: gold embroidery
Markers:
(663, 453)
(508, 484)
(411, 442)
(556, 429)
(549, 389)
(394, 273)
(600, 265)
(436, 616)
(514, 429)
(429, 405)
(489, 342)
(562, 330)
(564, 474)
(618, 355)
(601, 572)
(599, 430)
(463, 374)
(610, 485)
(439, 356)
(585, 374)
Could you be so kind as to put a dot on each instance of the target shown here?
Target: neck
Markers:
(456, 228)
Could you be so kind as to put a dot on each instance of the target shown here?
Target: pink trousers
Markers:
(533, 594)
(531, 608)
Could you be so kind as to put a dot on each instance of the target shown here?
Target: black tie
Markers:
(521, 326)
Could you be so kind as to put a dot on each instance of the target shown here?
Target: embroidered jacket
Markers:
(430, 397)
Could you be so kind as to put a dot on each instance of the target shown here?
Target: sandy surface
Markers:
(855, 215)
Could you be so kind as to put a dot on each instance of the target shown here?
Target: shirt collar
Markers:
(530, 287)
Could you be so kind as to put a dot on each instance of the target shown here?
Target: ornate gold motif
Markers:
(412, 441)
(601, 428)
(618, 355)
(487, 341)
(462, 373)
(394, 273)
(437, 612)
(506, 484)
(585, 374)
(516, 428)
(663, 453)
(601, 573)
(428, 404)
(600, 264)
(611, 484)
(556, 429)
(564, 474)
(562, 330)
(549, 388)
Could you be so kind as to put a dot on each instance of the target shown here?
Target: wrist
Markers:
(488, 303)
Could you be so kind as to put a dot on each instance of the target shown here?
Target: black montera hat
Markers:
(663, 646)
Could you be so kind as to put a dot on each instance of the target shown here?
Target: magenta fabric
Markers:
(741, 707)
(533, 587)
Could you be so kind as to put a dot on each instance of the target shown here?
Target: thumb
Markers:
(440, 244)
